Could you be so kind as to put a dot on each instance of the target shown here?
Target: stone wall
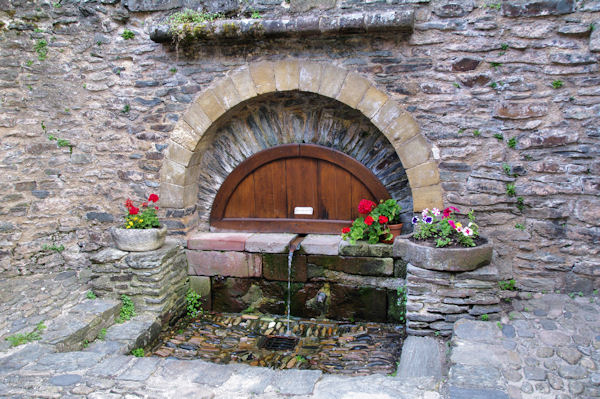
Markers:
(507, 95)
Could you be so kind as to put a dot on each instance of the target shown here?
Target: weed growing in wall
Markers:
(512, 142)
(138, 352)
(53, 247)
(41, 49)
(90, 295)
(127, 309)
(127, 34)
(508, 285)
(557, 84)
(193, 302)
(20, 339)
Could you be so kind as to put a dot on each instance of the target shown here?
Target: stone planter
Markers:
(442, 259)
(138, 240)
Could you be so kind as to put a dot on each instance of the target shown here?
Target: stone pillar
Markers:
(156, 281)
(435, 299)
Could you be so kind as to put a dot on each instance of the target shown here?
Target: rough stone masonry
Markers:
(506, 93)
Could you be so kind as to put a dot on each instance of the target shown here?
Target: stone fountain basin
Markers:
(443, 259)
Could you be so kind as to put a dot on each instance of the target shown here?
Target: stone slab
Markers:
(296, 382)
(218, 241)
(420, 358)
(275, 267)
(272, 243)
(476, 393)
(141, 369)
(366, 266)
(321, 244)
(363, 248)
(214, 263)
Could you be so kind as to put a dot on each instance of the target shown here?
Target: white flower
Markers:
(436, 212)
(467, 232)
(459, 229)
(425, 212)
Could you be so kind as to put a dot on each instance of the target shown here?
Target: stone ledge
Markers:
(401, 20)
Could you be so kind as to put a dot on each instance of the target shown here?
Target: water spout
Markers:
(321, 297)
(294, 245)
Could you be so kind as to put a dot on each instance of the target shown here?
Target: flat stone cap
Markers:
(395, 20)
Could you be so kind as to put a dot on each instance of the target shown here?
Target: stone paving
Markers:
(547, 347)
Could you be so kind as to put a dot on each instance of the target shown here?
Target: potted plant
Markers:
(442, 242)
(142, 230)
(375, 224)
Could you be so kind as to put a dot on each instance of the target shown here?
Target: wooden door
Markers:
(299, 188)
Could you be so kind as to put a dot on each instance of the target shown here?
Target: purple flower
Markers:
(415, 220)
(428, 219)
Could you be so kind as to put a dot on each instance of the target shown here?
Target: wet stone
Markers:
(326, 345)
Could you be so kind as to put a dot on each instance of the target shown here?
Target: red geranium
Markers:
(153, 198)
(369, 220)
(133, 210)
(366, 206)
(145, 204)
(346, 230)
(448, 211)
(128, 203)
(383, 219)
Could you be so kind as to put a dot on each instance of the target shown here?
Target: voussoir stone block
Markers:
(210, 105)
(171, 195)
(230, 263)
(226, 93)
(331, 80)
(173, 173)
(372, 102)
(310, 76)
(218, 241)
(197, 120)
(387, 114)
(423, 175)
(286, 75)
(243, 83)
(178, 153)
(353, 89)
(401, 129)
(427, 197)
(185, 135)
(414, 152)
(269, 242)
(263, 77)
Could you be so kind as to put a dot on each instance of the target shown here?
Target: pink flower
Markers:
(449, 210)
(436, 212)
(425, 212)
(452, 224)
(467, 231)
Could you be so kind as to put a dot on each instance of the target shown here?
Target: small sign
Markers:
(303, 210)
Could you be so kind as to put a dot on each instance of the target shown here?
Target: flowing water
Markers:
(289, 288)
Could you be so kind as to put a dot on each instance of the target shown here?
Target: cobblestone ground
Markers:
(547, 347)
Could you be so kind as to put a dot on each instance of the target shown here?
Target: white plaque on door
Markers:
(303, 210)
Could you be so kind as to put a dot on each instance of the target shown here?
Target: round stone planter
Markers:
(442, 259)
(139, 240)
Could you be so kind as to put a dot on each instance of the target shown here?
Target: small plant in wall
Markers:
(193, 302)
(127, 34)
(375, 225)
(445, 229)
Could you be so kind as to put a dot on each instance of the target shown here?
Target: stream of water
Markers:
(289, 289)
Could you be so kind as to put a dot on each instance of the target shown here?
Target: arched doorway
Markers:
(297, 188)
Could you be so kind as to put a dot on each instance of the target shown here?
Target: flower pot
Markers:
(454, 259)
(395, 231)
(139, 240)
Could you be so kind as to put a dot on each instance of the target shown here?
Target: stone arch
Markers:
(180, 170)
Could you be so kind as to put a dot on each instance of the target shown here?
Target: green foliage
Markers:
(127, 34)
(484, 317)
(173, 70)
(512, 142)
(498, 136)
(520, 204)
(401, 302)
(20, 339)
(249, 309)
(494, 85)
(188, 16)
(455, 84)
(85, 343)
(571, 295)
(102, 334)
(369, 228)
(127, 309)
(57, 4)
(126, 108)
(557, 84)
(494, 6)
(90, 295)
(519, 226)
(138, 352)
(499, 325)
(41, 48)
(476, 133)
(255, 15)
(61, 143)
(29, 63)
(300, 359)
(508, 285)
(53, 247)
(461, 131)
(495, 65)
(510, 189)
(147, 219)
(193, 302)
(504, 46)
(507, 169)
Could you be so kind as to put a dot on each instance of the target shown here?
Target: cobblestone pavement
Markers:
(548, 347)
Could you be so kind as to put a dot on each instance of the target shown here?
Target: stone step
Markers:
(420, 358)
(80, 323)
(121, 338)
